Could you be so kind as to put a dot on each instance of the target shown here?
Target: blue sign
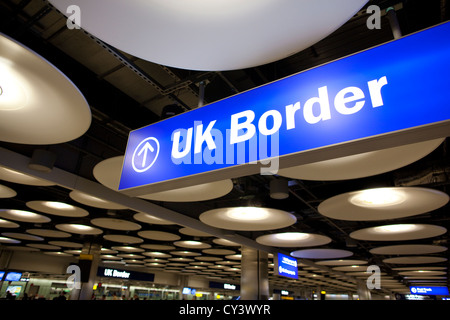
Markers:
(286, 266)
(13, 276)
(392, 88)
(2, 273)
(430, 291)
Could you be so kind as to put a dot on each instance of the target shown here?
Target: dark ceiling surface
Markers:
(126, 93)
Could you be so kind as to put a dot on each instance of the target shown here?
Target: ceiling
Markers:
(126, 93)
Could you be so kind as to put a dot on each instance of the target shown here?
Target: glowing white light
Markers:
(292, 236)
(80, 227)
(247, 213)
(12, 94)
(395, 228)
(22, 213)
(380, 197)
(59, 205)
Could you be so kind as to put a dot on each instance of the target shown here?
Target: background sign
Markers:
(429, 291)
(393, 94)
(286, 266)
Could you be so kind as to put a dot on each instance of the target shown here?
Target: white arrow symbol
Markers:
(147, 146)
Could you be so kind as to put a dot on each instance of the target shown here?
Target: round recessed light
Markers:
(93, 201)
(123, 238)
(185, 253)
(49, 233)
(321, 253)
(225, 242)
(23, 216)
(115, 224)
(408, 249)
(6, 192)
(157, 247)
(22, 236)
(218, 251)
(37, 99)
(157, 254)
(398, 232)
(293, 239)
(414, 260)
(192, 244)
(382, 203)
(79, 229)
(67, 244)
(341, 262)
(362, 165)
(57, 208)
(15, 176)
(8, 224)
(248, 218)
(147, 218)
(127, 249)
(8, 240)
(158, 235)
(239, 34)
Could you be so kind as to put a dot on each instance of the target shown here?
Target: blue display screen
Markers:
(399, 85)
(13, 276)
(430, 291)
(287, 266)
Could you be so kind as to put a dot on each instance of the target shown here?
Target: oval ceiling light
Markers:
(67, 244)
(192, 244)
(23, 216)
(6, 192)
(22, 178)
(157, 247)
(8, 224)
(321, 253)
(225, 242)
(247, 218)
(93, 201)
(148, 218)
(57, 208)
(398, 232)
(8, 240)
(362, 165)
(415, 260)
(408, 249)
(127, 249)
(124, 239)
(293, 239)
(158, 235)
(22, 236)
(238, 34)
(49, 233)
(115, 224)
(382, 203)
(108, 172)
(78, 229)
(341, 262)
(423, 273)
(37, 99)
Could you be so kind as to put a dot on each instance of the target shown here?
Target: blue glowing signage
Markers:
(286, 266)
(13, 276)
(395, 90)
(430, 291)
(2, 273)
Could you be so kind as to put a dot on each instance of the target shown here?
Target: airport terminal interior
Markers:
(364, 226)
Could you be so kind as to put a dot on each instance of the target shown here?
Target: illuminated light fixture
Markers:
(6, 192)
(362, 165)
(37, 99)
(398, 232)
(11, 175)
(247, 218)
(24, 216)
(93, 201)
(383, 203)
(192, 244)
(8, 240)
(147, 218)
(279, 189)
(293, 239)
(8, 224)
(116, 224)
(79, 229)
(57, 208)
(380, 197)
(279, 28)
(108, 173)
(408, 249)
